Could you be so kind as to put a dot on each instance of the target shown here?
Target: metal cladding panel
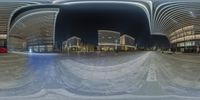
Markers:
(6, 11)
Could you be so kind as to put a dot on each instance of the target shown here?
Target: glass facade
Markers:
(184, 39)
(127, 43)
(6, 11)
(108, 40)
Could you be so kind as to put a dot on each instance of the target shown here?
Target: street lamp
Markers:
(116, 45)
(30, 50)
(198, 48)
(68, 48)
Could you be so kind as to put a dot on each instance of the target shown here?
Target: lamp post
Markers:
(116, 45)
(62, 47)
(198, 48)
(69, 48)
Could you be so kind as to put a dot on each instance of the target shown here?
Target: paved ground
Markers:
(136, 75)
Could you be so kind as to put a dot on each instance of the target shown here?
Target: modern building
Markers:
(7, 10)
(108, 40)
(3, 40)
(72, 44)
(33, 30)
(186, 39)
(127, 43)
(87, 47)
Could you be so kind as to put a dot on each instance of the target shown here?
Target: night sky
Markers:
(83, 20)
(160, 41)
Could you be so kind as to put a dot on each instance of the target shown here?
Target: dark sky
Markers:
(160, 41)
(83, 20)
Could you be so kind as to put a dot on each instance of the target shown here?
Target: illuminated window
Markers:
(3, 36)
(109, 37)
(197, 36)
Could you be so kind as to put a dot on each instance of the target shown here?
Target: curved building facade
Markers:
(186, 39)
(7, 10)
(179, 21)
(34, 31)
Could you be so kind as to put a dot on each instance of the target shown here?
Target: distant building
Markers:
(87, 48)
(108, 40)
(72, 44)
(127, 43)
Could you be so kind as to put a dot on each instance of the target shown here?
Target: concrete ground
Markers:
(116, 76)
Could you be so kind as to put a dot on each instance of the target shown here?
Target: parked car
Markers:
(3, 50)
(168, 52)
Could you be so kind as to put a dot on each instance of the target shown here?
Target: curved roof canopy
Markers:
(171, 15)
(7, 9)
